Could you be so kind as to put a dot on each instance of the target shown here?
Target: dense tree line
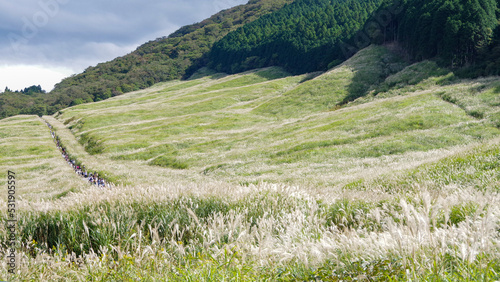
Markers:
(488, 62)
(453, 31)
(30, 100)
(301, 37)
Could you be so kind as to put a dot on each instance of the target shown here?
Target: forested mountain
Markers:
(307, 35)
(159, 60)
(162, 59)
(301, 37)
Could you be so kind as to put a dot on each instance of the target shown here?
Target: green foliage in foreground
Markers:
(203, 267)
(170, 241)
(106, 224)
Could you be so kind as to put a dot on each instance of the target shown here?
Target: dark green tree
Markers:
(454, 30)
(301, 37)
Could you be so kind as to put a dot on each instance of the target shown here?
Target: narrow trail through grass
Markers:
(263, 176)
(93, 177)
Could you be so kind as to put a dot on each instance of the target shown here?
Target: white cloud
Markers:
(72, 35)
(18, 77)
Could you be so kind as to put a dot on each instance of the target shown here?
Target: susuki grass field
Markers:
(376, 170)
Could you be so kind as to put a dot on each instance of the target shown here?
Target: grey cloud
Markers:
(75, 34)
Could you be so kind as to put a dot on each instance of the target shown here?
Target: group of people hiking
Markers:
(92, 177)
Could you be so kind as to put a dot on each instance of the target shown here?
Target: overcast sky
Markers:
(44, 41)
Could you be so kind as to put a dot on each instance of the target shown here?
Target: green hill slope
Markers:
(246, 126)
(309, 35)
(344, 83)
(235, 176)
(300, 36)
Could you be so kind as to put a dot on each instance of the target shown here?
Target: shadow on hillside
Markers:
(269, 73)
(370, 74)
(359, 86)
(310, 76)
(206, 72)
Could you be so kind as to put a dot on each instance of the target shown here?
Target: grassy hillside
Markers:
(247, 126)
(28, 150)
(344, 83)
(266, 176)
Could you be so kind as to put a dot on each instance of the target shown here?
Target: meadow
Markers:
(376, 170)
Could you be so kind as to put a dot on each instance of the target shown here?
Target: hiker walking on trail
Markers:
(92, 178)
